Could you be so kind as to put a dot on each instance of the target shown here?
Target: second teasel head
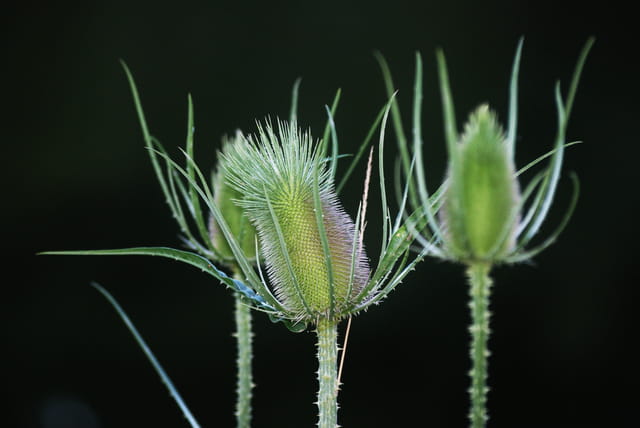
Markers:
(482, 197)
(227, 199)
(480, 214)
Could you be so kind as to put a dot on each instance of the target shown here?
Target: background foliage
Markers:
(76, 176)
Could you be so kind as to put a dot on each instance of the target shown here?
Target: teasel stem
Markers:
(479, 292)
(327, 331)
(244, 338)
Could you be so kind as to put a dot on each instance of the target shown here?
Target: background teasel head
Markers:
(226, 198)
(481, 195)
(480, 214)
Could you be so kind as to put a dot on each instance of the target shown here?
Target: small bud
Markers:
(482, 198)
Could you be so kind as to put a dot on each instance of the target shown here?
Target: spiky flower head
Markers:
(482, 194)
(226, 199)
(314, 261)
(479, 214)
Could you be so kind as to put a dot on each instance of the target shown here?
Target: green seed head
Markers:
(225, 198)
(482, 199)
(280, 176)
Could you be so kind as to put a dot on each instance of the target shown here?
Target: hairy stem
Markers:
(244, 337)
(327, 331)
(479, 292)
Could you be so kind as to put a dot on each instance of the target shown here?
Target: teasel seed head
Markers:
(283, 182)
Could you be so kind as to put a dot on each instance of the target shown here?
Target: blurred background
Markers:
(77, 176)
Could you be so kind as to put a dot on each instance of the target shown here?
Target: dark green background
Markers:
(76, 176)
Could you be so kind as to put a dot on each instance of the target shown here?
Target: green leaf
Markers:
(400, 274)
(513, 101)
(573, 87)
(543, 157)
(563, 112)
(293, 114)
(205, 193)
(147, 351)
(195, 200)
(417, 141)
(383, 190)
(398, 245)
(150, 142)
(333, 163)
(168, 183)
(327, 130)
(395, 112)
(361, 150)
(450, 129)
(522, 256)
(187, 257)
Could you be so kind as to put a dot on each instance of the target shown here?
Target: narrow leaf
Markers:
(513, 101)
(395, 111)
(149, 354)
(521, 256)
(327, 127)
(195, 200)
(187, 257)
(361, 150)
(450, 132)
(293, 114)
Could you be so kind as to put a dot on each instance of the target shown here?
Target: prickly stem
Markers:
(479, 292)
(244, 337)
(327, 331)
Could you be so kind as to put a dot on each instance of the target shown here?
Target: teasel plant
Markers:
(314, 256)
(315, 272)
(480, 216)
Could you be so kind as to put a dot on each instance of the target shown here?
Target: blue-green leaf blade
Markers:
(187, 257)
(149, 354)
